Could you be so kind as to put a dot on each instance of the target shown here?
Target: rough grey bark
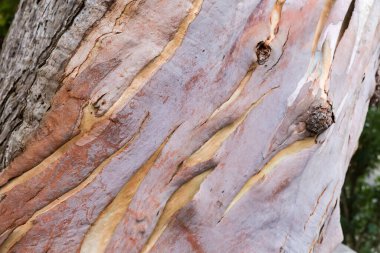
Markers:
(43, 36)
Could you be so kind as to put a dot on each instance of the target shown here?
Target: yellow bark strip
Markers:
(37, 170)
(99, 235)
(321, 59)
(275, 20)
(186, 192)
(178, 200)
(148, 71)
(20, 231)
(89, 119)
(276, 160)
(237, 92)
(208, 150)
(322, 22)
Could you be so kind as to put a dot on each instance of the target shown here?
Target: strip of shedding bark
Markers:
(322, 22)
(89, 118)
(178, 200)
(60, 152)
(71, 191)
(146, 73)
(208, 150)
(273, 163)
(100, 233)
(346, 20)
(237, 92)
(321, 60)
(275, 19)
(20, 231)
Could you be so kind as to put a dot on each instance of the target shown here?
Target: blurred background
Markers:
(360, 200)
(7, 10)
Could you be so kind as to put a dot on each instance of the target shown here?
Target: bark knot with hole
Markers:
(262, 52)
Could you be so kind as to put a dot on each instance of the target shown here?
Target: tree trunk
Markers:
(181, 126)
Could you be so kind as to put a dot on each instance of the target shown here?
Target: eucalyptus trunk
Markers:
(181, 126)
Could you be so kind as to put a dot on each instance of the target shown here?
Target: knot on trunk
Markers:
(262, 52)
(319, 118)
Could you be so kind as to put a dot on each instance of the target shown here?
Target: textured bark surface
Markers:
(42, 39)
(184, 126)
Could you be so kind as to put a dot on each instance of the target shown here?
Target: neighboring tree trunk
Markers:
(181, 126)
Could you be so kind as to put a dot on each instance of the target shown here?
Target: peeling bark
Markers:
(182, 126)
(43, 37)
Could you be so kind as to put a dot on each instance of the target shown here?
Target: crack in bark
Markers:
(98, 41)
(282, 52)
(316, 205)
(324, 218)
(346, 21)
